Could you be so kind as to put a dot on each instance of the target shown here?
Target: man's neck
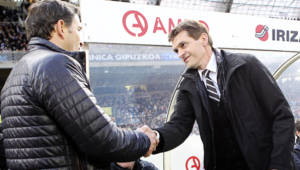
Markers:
(206, 58)
(57, 43)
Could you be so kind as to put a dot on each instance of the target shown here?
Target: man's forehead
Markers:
(180, 36)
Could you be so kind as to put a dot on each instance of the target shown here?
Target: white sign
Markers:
(127, 23)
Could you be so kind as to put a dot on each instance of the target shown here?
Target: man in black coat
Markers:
(50, 117)
(244, 120)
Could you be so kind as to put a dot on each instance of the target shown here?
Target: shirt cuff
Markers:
(157, 134)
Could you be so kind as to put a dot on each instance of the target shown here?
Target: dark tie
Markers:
(210, 87)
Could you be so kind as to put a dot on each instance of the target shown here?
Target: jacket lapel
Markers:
(196, 87)
(203, 94)
(193, 81)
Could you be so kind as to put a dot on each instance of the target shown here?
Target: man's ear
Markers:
(204, 38)
(60, 28)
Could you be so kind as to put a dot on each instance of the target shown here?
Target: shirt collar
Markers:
(211, 66)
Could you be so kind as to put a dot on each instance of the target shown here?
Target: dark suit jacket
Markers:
(257, 110)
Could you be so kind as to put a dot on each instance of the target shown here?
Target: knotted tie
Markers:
(210, 87)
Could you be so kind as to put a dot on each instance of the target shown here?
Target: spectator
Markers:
(297, 146)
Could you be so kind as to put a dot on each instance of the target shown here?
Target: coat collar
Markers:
(227, 63)
(36, 43)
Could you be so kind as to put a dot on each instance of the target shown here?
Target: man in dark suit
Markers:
(244, 120)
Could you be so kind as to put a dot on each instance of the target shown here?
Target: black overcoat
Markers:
(261, 118)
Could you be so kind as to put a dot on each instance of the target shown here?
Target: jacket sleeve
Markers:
(65, 94)
(175, 131)
(277, 109)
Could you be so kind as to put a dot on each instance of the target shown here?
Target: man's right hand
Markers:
(152, 136)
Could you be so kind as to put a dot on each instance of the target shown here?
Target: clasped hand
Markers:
(154, 142)
(152, 136)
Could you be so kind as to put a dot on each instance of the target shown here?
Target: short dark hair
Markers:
(193, 28)
(43, 15)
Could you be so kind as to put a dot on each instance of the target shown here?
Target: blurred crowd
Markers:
(133, 109)
(12, 37)
(136, 109)
(12, 32)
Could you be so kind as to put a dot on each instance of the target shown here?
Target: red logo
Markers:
(192, 162)
(261, 32)
(143, 27)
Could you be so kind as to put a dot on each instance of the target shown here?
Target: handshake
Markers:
(153, 136)
(154, 139)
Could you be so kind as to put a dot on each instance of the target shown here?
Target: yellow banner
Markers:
(107, 110)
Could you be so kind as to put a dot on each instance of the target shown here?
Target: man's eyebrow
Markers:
(179, 45)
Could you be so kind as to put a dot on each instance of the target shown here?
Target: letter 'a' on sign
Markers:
(192, 163)
(141, 25)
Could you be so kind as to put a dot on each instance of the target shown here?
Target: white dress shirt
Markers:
(212, 67)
